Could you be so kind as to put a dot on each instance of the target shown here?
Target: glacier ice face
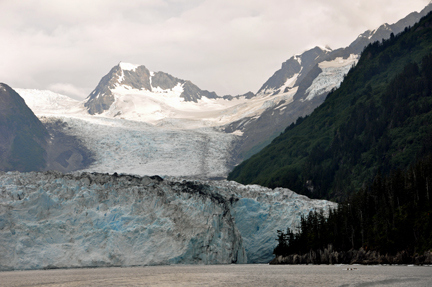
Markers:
(54, 220)
(259, 212)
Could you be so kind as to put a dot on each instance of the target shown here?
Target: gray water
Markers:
(226, 275)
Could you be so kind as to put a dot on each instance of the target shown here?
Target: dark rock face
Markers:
(329, 256)
(192, 93)
(248, 95)
(65, 152)
(101, 98)
(28, 144)
(23, 137)
(164, 81)
(138, 79)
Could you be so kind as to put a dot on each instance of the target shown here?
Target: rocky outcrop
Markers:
(361, 256)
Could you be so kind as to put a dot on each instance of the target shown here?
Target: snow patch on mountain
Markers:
(331, 76)
(161, 105)
(44, 102)
(128, 66)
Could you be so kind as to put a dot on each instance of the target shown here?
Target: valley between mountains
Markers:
(143, 122)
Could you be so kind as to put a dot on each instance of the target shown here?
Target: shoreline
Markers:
(361, 257)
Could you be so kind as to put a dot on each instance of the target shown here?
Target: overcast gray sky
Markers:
(226, 46)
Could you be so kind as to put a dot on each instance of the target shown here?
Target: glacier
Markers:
(139, 148)
(333, 73)
(81, 219)
(151, 133)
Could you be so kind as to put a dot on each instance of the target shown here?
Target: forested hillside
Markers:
(392, 215)
(380, 119)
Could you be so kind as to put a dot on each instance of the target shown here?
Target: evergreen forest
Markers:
(392, 214)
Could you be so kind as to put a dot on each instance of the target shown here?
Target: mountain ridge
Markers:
(244, 124)
(377, 119)
(313, 83)
(139, 77)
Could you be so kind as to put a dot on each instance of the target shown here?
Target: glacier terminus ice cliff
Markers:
(56, 220)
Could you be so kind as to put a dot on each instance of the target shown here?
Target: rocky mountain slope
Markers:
(23, 138)
(308, 78)
(31, 144)
(136, 77)
(52, 220)
(379, 119)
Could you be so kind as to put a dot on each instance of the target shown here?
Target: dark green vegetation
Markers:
(22, 136)
(393, 214)
(380, 119)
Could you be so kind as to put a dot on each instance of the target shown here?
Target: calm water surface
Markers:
(225, 275)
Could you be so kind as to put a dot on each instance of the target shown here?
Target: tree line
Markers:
(392, 214)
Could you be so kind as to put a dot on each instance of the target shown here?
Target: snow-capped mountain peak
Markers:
(130, 77)
(293, 71)
(128, 66)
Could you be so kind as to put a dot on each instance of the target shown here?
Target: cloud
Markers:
(230, 47)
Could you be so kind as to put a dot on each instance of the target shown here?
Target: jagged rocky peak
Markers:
(293, 71)
(384, 31)
(126, 76)
(297, 68)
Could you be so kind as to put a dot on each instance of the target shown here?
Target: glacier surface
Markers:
(332, 75)
(55, 220)
(139, 148)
